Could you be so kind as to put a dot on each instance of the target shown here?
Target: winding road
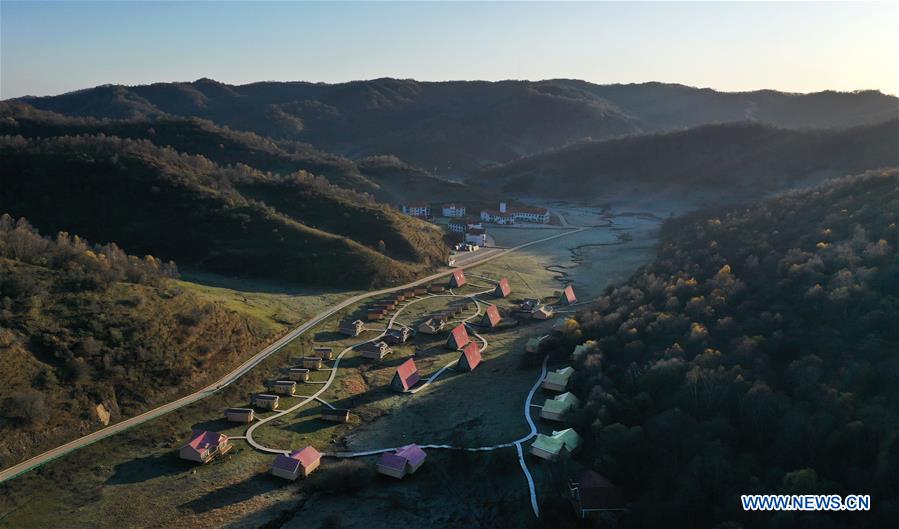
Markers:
(41, 459)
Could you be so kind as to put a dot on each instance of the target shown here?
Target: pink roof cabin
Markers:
(492, 317)
(458, 337)
(470, 357)
(203, 446)
(457, 279)
(568, 297)
(297, 463)
(503, 289)
(406, 376)
(406, 460)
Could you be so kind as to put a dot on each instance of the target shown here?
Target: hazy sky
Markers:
(49, 48)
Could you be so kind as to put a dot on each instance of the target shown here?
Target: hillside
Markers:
(757, 354)
(230, 220)
(455, 127)
(390, 180)
(739, 160)
(84, 326)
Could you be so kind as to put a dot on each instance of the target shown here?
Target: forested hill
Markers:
(459, 126)
(734, 160)
(90, 334)
(758, 353)
(231, 220)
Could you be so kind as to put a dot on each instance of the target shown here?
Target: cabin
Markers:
(590, 492)
(335, 414)
(416, 209)
(470, 357)
(311, 362)
(265, 401)
(375, 314)
(375, 350)
(458, 338)
(558, 380)
(437, 289)
(421, 291)
(388, 304)
(409, 294)
(285, 387)
(543, 312)
(399, 298)
(325, 353)
(551, 447)
(453, 210)
(457, 279)
(555, 408)
(204, 446)
(239, 414)
(397, 335)
(405, 460)
(567, 297)
(297, 463)
(300, 374)
(533, 345)
(352, 328)
(432, 325)
(503, 289)
(405, 377)
(491, 317)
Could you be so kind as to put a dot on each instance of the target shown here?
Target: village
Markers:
(461, 314)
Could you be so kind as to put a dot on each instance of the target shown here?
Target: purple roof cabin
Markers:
(406, 460)
(297, 463)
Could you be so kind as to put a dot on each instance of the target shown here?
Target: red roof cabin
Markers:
(203, 446)
(491, 317)
(568, 297)
(405, 377)
(297, 463)
(503, 289)
(470, 357)
(457, 279)
(458, 338)
(405, 460)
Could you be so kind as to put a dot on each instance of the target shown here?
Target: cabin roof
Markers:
(412, 453)
(568, 439)
(472, 354)
(203, 440)
(561, 403)
(460, 335)
(407, 372)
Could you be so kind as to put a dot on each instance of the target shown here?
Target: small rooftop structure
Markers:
(352, 328)
(285, 387)
(558, 380)
(432, 326)
(458, 337)
(397, 335)
(491, 317)
(591, 492)
(550, 447)
(470, 357)
(555, 408)
(311, 362)
(239, 415)
(265, 400)
(503, 289)
(533, 345)
(375, 350)
(568, 297)
(406, 460)
(203, 446)
(297, 463)
(457, 279)
(405, 377)
(300, 374)
(335, 414)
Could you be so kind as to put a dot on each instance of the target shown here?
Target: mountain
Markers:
(388, 179)
(89, 334)
(231, 220)
(459, 126)
(756, 355)
(736, 160)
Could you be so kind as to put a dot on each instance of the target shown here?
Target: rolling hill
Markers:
(456, 127)
(231, 220)
(732, 161)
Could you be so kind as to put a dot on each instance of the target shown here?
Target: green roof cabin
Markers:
(554, 408)
(551, 447)
(558, 380)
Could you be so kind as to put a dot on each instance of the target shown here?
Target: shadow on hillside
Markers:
(214, 425)
(234, 493)
(147, 468)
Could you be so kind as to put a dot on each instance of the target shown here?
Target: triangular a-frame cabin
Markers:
(457, 279)
(470, 357)
(568, 297)
(491, 317)
(406, 376)
(502, 288)
(458, 337)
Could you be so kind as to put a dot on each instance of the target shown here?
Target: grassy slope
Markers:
(152, 200)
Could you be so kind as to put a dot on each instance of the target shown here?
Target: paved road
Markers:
(38, 460)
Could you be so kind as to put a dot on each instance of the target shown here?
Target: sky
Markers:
(51, 48)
